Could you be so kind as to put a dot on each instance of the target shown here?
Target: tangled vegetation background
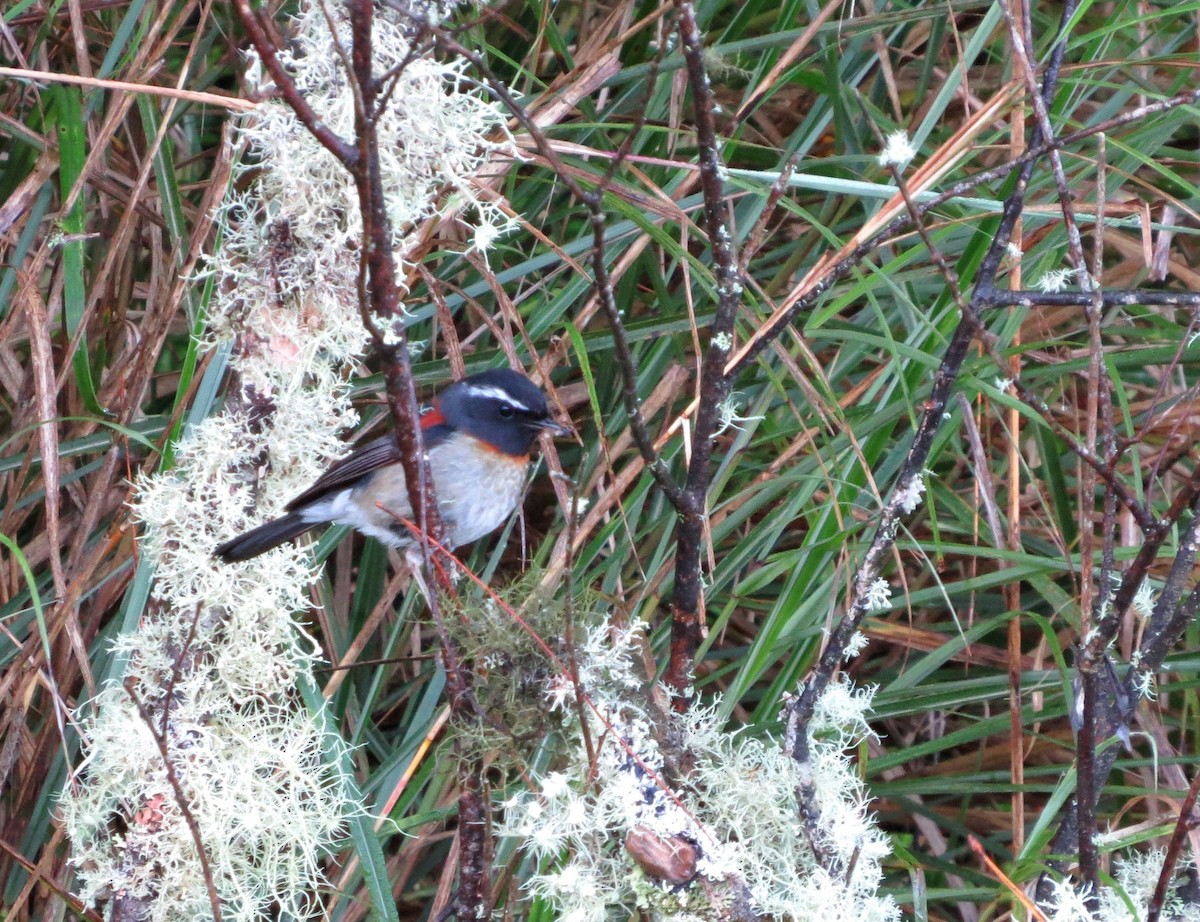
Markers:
(870, 409)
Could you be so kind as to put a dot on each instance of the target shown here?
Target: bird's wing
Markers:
(377, 453)
(369, 457)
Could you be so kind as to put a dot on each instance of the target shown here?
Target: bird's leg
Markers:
(412, 557)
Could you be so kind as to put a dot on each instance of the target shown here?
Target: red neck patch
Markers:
(432, 418)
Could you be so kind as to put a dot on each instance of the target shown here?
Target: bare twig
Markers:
(796, 741)
(1170, 616)
(1094, 603)
(383, 315)
(1108, 297)
(714, 379)
(944, 379)
(1165, 626)
(1185, 822)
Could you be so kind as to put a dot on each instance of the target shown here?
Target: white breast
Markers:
(477, 491)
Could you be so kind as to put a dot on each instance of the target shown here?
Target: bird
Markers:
(477, 435)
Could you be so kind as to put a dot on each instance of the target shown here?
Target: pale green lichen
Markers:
(1135, 878)
(736, 806)
(259, 773)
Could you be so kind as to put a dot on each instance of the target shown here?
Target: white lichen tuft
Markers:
(897, 151)
(218, 654)
(268, 803)
(1136, 876)
(1144, 600)
(1056, 280)
(878, 595)
(908, 497)
(855, 645)
(1144, 685)
(735, 812)
(292, 240)
(729, 414)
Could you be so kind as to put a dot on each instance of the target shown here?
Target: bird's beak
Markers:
(556, 429)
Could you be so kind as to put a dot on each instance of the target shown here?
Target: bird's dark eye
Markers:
(506, 410)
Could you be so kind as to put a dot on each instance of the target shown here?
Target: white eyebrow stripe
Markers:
(476, 390)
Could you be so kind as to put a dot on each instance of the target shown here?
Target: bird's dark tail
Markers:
(262, 539)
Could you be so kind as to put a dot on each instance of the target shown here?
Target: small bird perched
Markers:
(477, 438)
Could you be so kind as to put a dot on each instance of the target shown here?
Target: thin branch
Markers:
(1169, 616)
(1185, 823)
(1108, 297)
(625, 361)
(1088, 783)
(381, 287)
(714, 380)
(1166, 624)
(1104, 467)
(1099, 409)
(943, 382)
(796, 741)
(380, 303)
(1105, 627)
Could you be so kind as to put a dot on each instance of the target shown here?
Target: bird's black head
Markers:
(502, 407)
